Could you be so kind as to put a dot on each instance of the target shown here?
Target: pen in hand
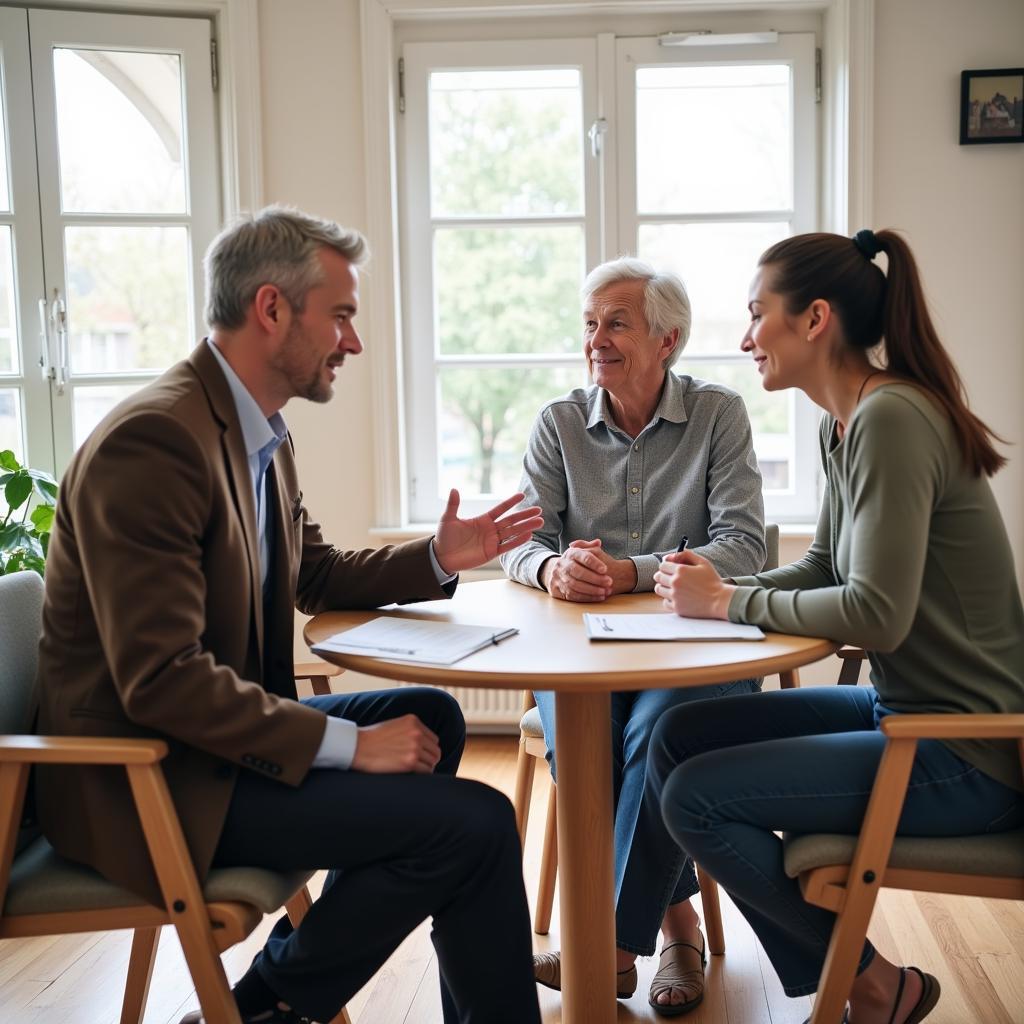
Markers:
(683, 543)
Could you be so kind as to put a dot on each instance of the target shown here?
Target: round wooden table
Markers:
(552, 652)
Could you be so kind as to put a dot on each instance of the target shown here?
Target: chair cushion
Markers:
(1000, 855)
(44, 883)
(21, 623)
(530, 725)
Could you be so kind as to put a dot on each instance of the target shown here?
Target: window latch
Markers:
(596, 135)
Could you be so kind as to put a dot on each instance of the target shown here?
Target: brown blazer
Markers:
(154, 620)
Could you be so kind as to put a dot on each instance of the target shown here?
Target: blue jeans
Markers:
(725, 775)
(634, 715)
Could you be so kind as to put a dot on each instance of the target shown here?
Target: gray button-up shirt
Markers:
(691, 470)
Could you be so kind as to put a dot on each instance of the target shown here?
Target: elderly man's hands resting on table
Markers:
(585, 572)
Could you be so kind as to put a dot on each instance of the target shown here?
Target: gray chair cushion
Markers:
(44, 883)
(21, 625)
(1000, 855)
(530, 723)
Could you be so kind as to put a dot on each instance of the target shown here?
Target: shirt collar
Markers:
(670, 406)
(257, 430)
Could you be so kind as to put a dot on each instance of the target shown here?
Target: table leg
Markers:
(583, 757)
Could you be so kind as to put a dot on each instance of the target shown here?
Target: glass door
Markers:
(108, 212)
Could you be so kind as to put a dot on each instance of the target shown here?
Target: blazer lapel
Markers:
(237, 462)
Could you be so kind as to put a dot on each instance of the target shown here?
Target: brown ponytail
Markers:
(874, 307)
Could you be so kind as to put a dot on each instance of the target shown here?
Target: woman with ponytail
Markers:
(910, 561)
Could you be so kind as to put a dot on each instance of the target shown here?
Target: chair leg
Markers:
(548, 867)
(789, 680)
(321, 685)
(140, 973)
(297, 906)
(849, 672)
(712, 912)
(525, 765)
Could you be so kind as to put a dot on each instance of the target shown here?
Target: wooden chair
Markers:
(845, 873)
(319, 674)
(43, 894)
(531, 745)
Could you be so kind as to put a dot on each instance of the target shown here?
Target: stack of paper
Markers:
(416, 641)
(665, 626)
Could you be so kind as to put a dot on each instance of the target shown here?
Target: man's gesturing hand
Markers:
(399, 745)
(466, 543)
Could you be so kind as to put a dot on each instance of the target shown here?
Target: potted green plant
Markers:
(25, 534)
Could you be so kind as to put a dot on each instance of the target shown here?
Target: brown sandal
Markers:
(547, 970)
(677, 971)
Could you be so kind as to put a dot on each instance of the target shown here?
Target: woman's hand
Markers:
(689, 585)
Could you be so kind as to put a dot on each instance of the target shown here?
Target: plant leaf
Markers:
(17, 535)
(45, 487)
(8, 461)
(42, 518)
(17, 490)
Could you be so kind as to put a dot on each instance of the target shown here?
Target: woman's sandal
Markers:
(930, 992)
(675, 973)
(547, 970)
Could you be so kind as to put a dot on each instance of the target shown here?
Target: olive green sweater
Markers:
(910, 561)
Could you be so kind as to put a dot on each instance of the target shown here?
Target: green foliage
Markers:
(505, 290)
(25, 537)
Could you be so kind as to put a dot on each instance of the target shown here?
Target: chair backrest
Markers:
(21, 624)
(771, 543)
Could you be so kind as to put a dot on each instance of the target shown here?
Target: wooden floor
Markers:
(974, 946)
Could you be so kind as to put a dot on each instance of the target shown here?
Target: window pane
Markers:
(128, 305)
(502, 290)
(8, 338)
(90, 404)
(5, 195)
(119, 131)
(771, 416)
(716, 263)
(714, 139)
(485, 420)
(10, 423)
(506, 142)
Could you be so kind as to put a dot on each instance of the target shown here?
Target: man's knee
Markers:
(439, 711)
(483, 815)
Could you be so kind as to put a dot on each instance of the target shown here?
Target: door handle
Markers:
(45, 360)
(59, 320)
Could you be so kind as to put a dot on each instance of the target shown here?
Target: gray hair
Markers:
(666, 304)
(277, 246)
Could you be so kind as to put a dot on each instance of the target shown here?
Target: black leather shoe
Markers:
(280, 1014)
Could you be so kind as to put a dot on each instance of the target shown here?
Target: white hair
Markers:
(666, 304)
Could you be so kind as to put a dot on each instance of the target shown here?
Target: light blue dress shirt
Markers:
(262, 437)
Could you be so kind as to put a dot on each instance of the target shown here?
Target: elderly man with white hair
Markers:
(623, 470)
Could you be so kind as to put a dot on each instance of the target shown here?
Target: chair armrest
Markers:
(314, 669)
(943, 727)
(856, 653)
(80, 750)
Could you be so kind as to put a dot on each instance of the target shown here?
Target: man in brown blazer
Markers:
(181, 547)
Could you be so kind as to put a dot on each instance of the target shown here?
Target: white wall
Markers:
(962, 208)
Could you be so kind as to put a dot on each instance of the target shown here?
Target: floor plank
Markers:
(975, 947)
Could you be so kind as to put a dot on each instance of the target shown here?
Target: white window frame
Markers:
(799, 500)
(846, 185)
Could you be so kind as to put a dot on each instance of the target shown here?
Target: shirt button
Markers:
(634, 535)
(636, 447)
(634, 490)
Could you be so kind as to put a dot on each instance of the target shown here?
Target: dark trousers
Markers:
(399, 849)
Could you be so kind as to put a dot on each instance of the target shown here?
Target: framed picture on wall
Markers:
(991, 106)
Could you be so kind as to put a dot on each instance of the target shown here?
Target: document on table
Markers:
(665, 626)
(417, 641)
